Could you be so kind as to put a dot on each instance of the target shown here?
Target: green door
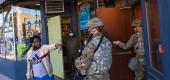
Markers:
(54, 31)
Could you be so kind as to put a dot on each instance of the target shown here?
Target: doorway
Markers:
(118, 27)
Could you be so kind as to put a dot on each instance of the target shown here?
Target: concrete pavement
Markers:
(3, 77)
(12, 70)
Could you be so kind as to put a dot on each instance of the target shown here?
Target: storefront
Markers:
(18, 23)
(154, 14)
(19, 20)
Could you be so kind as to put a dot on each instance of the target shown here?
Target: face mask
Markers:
(70, 34)
(90, 30)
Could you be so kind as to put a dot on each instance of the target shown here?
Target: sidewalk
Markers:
(12, 70)
(16, 70)
(2, 77)
(8, 56)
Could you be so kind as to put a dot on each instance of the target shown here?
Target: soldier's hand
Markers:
(116, 42)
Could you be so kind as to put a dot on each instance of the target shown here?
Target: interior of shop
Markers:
(117, 16)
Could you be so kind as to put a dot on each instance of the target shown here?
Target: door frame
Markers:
(164, 19)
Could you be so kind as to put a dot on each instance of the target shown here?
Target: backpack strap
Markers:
(101, 39)
(89, 38)
(97, 47)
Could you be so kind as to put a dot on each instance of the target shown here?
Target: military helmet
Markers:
(136, 22)
(95, 22)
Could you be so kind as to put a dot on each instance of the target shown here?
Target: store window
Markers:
(26, 23)
(154, 34)
(18, 23)
(7, 39)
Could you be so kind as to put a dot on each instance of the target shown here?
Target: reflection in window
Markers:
(154, 34)
(17, 25)
(27, 24)
(7, 46)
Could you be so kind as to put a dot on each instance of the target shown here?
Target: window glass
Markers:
(7, 39)
(154, 34)
(27, 23)
(17, 24)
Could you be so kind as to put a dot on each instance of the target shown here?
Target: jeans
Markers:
(46, 77)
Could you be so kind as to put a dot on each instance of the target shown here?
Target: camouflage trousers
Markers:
(139, 72)
(104, 76)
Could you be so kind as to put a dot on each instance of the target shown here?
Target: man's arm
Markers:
(129, 44)
(46, 49)
(29, 72)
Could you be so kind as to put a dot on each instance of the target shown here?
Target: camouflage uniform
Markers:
(136, 41)
(95, 65)
(102, 60)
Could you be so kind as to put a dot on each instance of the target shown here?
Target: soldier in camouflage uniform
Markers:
(136, 41)
(102, 58)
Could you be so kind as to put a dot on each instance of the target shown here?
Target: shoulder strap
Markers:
(101, 39)
(89, 38)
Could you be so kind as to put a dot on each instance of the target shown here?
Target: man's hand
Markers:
(116, 42)
(58, 45)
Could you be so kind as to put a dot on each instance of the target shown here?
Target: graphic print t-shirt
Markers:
(37, 65)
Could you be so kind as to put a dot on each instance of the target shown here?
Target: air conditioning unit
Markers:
(54, 6)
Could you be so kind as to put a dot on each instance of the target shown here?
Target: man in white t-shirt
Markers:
(38, 64)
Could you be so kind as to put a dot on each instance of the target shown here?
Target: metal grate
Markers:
(54, 6)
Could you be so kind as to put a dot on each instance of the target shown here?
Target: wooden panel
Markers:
(118, 27)
(117, 22)
(139, 11)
